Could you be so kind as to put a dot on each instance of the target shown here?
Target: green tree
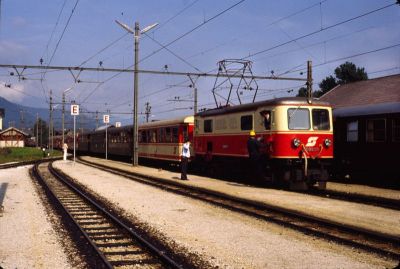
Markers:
(348, 72)
(326, 85)
(345, 73)
(42, 132)
(302, 92)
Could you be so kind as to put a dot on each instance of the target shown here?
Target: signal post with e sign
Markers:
(74, 112)
(106, 120)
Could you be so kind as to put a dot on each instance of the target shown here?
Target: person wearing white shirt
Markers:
(185, 156)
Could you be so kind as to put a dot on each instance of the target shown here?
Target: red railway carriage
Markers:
(297, 138)
(163, 140)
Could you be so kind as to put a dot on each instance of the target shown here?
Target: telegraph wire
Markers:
(173, 53)
(318, 31)
(176, 15)
(348, 57)
(55, 49)
(63, 32)
(54, 29)
(166, 22)
(103, 49)
(272, 23)
(195, 28)
(180, 37)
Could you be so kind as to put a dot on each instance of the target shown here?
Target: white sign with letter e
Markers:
(74, 110)
(106, 118)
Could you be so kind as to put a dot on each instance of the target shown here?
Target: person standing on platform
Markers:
(253, 147)
(185, 156)
(65, 149)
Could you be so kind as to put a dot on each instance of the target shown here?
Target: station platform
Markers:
(382, 220)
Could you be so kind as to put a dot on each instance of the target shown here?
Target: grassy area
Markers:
(23, 154)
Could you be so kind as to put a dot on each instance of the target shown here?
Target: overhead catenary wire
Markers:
(54, 29)
(57, 45)
(348, 57)
(170, 43)
(318, 31)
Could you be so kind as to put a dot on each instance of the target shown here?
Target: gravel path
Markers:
(27, 238)
(226, 239)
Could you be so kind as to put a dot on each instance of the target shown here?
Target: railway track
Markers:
(114, 244)
(16, 164)
(338, 195)
(359, 198)
(357, 237)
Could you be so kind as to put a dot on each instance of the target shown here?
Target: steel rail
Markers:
(260, 210)
(359, 198)
(16, 164)
(53, 195)
(128, 230)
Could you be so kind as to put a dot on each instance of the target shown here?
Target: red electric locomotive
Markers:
(297, 138)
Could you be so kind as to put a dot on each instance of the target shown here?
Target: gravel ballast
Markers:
(225, 238)
(27, 238)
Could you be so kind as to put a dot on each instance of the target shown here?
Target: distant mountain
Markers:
(24, 118)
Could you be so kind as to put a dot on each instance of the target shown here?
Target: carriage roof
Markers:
(186, 119)
(253, 106)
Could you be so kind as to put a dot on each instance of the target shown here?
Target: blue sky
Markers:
(30, 30)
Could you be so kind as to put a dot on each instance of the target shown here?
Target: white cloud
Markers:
(10, 50)
(13, 93)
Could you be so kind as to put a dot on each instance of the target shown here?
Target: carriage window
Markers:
(162, 135)
(320, 119)
(159, 135)
(352, 131)
(266, 118)
(167, 135)
(208, 126)
(185, 132)
(246, 122)
(175, 134)
(144, 137)
(298, 119)
(153, 136)
(396, 130)
(376, 130)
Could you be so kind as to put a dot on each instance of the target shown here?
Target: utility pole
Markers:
(148, 111)
(135, 98)
(50, 118)
(136, 34)
(63, 115)
(41, 133)
(309, 81)
(37, 129)
(97, 119)
(21, 120)
(193, 85)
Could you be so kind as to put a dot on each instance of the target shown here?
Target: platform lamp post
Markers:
(136, 33)
(63, 112)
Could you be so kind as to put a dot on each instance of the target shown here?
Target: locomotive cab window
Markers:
(266, 119)
(246, 122)
(298, 119)
(320, 118)
(208, 126)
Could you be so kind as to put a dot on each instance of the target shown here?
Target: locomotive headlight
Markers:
(328, 142)
(296, 142)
